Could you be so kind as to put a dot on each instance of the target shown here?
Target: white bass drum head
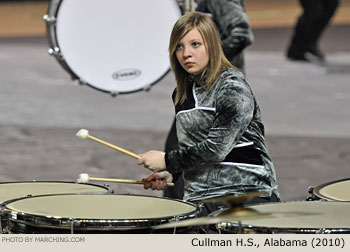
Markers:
(116, 46)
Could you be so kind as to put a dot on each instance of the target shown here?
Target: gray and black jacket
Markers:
(221, 141)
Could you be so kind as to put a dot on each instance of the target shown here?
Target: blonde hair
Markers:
(217, 60)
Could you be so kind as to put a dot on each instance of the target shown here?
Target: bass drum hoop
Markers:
(51, 35)
(25, 221)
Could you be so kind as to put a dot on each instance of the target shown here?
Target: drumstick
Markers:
(83, 133)
(84, 178)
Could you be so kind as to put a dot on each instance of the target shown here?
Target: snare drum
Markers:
(114, 46)
(305, 217)
(332, 191)
(107, 213)
(15, 190)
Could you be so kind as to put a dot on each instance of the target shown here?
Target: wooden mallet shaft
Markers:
(83, 133)
(127, 181)
(129, 153)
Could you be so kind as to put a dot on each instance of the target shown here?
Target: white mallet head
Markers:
(83, 178)
(83, 133)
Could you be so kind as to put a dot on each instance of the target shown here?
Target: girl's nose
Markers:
(187, 52)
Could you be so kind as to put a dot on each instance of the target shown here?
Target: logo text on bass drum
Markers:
(126, 74)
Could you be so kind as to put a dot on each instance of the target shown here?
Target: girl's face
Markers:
(192, 53)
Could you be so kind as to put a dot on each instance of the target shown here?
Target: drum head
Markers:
(296, 217)
(335, 190)
(96, 212)
(115, 46)
(15, 190)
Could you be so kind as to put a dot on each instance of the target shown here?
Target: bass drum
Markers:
(332, 191)
(114, 46)
(105, 213)
(14, 190)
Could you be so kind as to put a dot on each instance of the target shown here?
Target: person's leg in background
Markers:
(310, 25)
(325, 12)
(302, 29)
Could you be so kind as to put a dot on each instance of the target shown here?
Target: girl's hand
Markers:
(153, 160)
(158, 181)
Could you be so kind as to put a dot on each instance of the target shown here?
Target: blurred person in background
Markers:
(316, 15)
(232, 23)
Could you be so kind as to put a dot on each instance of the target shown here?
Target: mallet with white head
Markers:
(83, 133)
(84, 178)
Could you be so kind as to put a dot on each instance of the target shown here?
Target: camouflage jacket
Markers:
(221, 141)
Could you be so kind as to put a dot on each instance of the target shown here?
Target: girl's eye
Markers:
(178, 47)
(196, 44)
